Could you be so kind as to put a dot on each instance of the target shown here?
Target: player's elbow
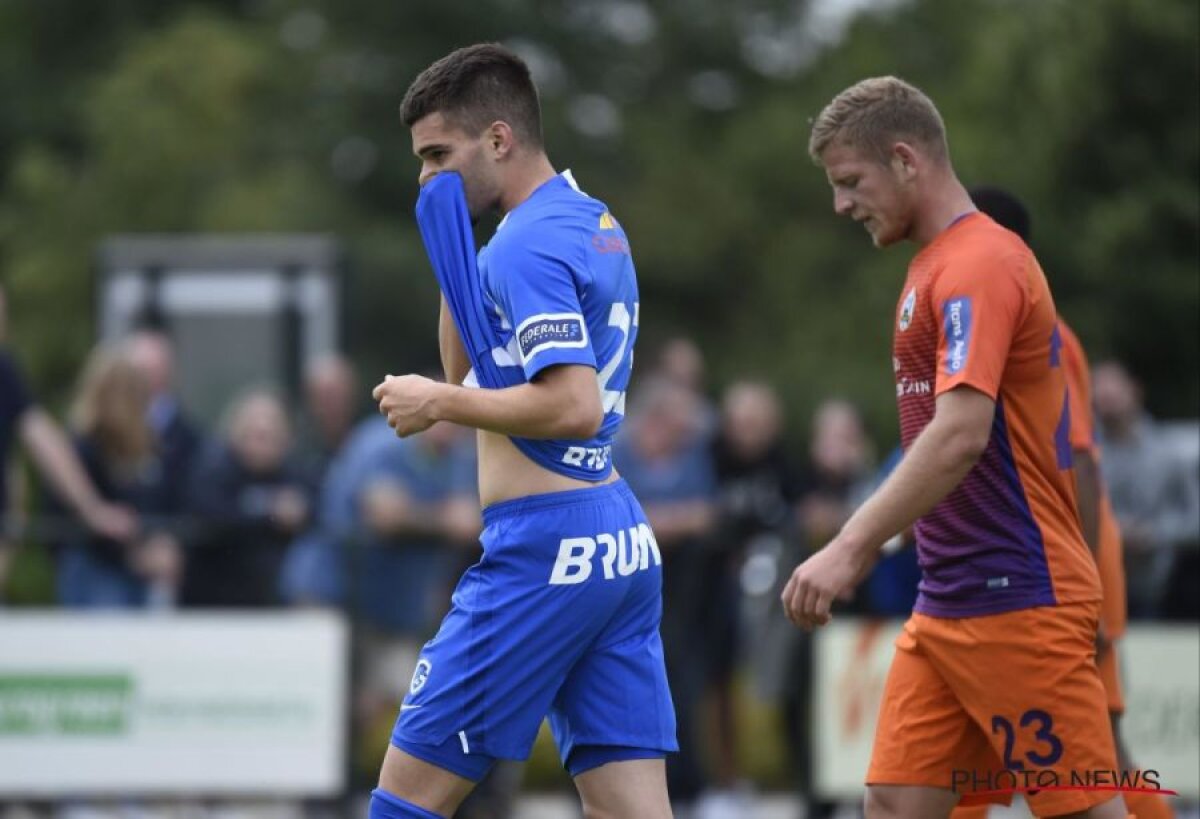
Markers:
(583, 420)
(579, 414)
(966, 444)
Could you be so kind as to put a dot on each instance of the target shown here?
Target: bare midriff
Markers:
(505, 473)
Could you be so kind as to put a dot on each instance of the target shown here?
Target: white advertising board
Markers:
(1160, 670)
(103, 703)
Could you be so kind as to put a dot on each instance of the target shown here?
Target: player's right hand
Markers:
(810, 591)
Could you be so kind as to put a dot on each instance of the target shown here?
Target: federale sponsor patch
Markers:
(547, 331)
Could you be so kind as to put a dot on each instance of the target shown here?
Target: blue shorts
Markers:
(560, 617)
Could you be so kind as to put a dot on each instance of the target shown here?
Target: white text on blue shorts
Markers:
(623, 554)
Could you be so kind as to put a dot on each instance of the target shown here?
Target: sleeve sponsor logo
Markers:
(956, 319)
(604, 243)
(549, 331)
(906, 309)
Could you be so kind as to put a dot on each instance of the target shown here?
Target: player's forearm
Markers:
(455, 362)
(1087, 492)
(530, 410)
(935, 464)
(56, 460)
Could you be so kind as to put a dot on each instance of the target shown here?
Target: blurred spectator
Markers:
(671, 473)
(418, 515)
(837, 478)
(839, 474)
(891, 587)
(178, 441)
(51, 452)
(1156, 496)
(331, 407)
(758, 488)
(251, 498)
(418, 518)
(681, 362)
(115, 444)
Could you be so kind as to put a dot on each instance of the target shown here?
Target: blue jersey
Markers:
(559, 282)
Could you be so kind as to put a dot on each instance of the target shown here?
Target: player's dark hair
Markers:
(474, 87)
(1005, 209)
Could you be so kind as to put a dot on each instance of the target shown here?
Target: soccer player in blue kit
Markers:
(560, 617)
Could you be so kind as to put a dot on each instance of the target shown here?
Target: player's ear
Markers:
(500, 139)
(904, 161)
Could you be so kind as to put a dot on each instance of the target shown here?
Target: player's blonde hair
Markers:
(874, 114)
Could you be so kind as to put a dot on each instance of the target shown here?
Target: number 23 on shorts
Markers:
(1048, 747)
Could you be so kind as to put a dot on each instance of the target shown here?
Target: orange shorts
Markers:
(997, 702)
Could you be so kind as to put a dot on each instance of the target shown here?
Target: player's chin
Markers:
(882, 237)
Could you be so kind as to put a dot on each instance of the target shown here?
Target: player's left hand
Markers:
(830, 573)
(407, 402)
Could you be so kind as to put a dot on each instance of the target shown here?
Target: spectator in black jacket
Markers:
(178, 440)
(250, 498)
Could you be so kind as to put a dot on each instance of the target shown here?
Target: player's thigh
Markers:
(421, 783)
(924, 734)
(1029, 680)
(627, 789)
(908, 802)
(617, 694)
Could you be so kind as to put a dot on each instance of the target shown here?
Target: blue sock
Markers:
(386, 805)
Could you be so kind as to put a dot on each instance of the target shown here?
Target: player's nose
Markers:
(842, 204)
(427, 173)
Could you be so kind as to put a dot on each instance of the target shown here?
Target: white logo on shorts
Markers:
(420, 675)
(625, 553)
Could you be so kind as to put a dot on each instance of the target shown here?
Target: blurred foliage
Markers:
(689, 118)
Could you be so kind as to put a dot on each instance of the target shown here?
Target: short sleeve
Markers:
(536, 288)
(1079, 387)
(980, 303)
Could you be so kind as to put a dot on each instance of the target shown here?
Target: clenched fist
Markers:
(407, 402)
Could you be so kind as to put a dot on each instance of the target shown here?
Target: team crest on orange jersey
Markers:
(906, 309)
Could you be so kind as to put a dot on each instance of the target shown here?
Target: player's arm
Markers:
(50, 450)
(1087, 495)
(455, 363)
(562, 401)
(935, 464)
(1088, 480)
(938, 460)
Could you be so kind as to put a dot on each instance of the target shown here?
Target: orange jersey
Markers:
(1109, 552)
(976, 311)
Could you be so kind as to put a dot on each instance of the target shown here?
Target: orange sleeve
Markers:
(979, 306)
(1079, 388)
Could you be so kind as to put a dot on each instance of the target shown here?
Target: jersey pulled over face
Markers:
(976, 312)
(560, 282)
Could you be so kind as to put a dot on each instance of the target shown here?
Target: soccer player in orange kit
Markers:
(1100, 527)
(995, 671)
